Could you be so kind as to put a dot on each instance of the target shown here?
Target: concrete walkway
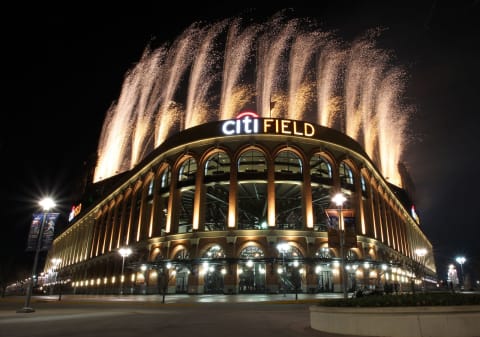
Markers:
(181, 315)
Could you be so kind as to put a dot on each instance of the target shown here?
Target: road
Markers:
(180, 315)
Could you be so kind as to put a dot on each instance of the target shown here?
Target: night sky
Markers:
(64, 66)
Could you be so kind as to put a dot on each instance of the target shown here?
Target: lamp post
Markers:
(452, 277)
(46, 204)
(283, 248)
(124, 253)
(461, 260)
(297, 279)
(166, 278)
(422, 252)
(339, 199)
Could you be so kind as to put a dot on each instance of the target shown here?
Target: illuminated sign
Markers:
(74, 212)
(248, 122)
(414, 214)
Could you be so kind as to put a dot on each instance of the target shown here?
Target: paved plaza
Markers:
(180, 315)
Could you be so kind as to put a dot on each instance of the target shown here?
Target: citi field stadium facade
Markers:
(244, 205)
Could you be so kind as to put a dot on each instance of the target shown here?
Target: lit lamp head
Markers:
(47, 204)
(461, 260)
(125, 252)
(283, 247)
(339, 199)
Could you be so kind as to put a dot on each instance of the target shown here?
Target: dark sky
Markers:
(64, 66)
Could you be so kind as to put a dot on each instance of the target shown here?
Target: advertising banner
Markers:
(350, 238)
(348, 218)
(48, 220)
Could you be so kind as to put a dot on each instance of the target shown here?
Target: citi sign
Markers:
(248, 122)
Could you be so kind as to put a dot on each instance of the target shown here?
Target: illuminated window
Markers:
(150, 188)
(186, 185)
(251, 252)
(321, 185)
(288, 162)
(351, 255)
(166, 176)
(214, 252)
(364, 185)
(182, 254)
(346, 174)
(187, 171)
(217, 164)
(252, 161)
(320, 167)
(162, 201)
(324, 253)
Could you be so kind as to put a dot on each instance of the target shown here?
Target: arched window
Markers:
(251, 252)
(321, 185)
(165, 180)
(127, 207)
(288, 190)
(363, 184)
(289, 251)
(346, 175)
(288, 162)
(214, 252)
(182, 254)
(148, 208)
(320, 168)
(217, 184)
(252, 190)
(217, 164)
(187, 171)
(150, 189)
(186, 186)
(351, 255)
(135, 225)
(162, 202)
(324, 253)
(252, 161)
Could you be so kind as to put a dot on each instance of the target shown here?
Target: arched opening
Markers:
(251, 271)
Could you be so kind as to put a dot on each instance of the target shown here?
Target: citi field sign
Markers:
(249, 122)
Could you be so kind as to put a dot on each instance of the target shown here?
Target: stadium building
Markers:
(249, 158)
(244, 205)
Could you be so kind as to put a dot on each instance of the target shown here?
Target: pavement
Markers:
(181, 315)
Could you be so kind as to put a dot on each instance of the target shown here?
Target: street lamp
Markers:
(124, 252)
(339, 199)
(422, 252)
(284, 248)
(452, 277)
(461, 260)
(46, 204)
(166, 278)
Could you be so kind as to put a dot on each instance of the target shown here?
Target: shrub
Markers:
(405, 300)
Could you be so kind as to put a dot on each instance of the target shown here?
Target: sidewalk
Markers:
(184, 298)
(181, 315)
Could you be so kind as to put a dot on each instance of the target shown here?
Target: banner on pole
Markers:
(350, 237)
(48, 220)
(348, 218)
